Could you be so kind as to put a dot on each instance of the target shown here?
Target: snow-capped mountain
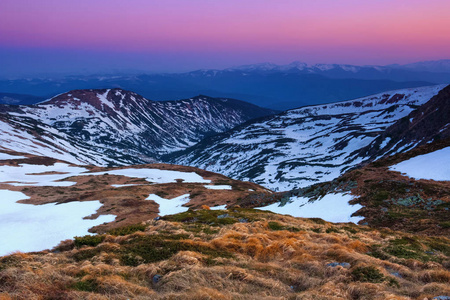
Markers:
(279, 87)
(303, 146)
(130, 124)
(437, 66)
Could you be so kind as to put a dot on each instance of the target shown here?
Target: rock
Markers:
(223, 216)
(441, 298)
(157, 278)
(335, 264)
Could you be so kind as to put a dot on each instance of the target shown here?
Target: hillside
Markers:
(234, 254)
(304, 146)
(44, 200)
(407, 191)
(430, 122)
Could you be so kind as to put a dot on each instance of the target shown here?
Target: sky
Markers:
(85, 36)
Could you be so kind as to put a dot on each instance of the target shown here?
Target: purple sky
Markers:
(38, 36)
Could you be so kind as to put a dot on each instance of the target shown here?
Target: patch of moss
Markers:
(445, 224)
(89, 285)
(407, 248)
(350, 229)
(275, 226)
(126, 230)
(213, 217)
(367, 274)
(153, 248)
(439, 244)
(88, 240)
(332, 229)
(86, 254)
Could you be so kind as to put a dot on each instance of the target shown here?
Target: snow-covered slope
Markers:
(304, 146)
(430, 122)
(130, 124)
(28, 135)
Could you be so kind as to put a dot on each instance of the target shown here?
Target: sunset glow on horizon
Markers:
(205, 33)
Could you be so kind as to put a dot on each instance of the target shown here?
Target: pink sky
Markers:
(232, 31)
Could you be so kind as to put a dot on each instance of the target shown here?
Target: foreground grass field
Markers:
(233, 254)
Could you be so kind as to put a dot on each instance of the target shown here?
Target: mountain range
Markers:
(267, 85)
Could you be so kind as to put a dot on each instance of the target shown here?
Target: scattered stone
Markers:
(157, 278)
(335, 264)
(224, 216)
(441, 298)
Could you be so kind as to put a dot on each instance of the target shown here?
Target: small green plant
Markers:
(89, 285)
(350, 229)
(88, 240)
(367, 274)
(276, 226)
(126, 230)
(332, 229)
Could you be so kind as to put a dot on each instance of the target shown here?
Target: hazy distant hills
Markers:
(268, 85)
(16, 99)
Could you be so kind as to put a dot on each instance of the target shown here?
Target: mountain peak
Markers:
(107, 100)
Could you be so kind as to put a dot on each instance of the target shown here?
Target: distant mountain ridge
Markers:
(267, 84)
(132, 125)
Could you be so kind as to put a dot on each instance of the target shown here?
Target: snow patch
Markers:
(170, 206)
(219, 207)
(39, 175)
(332, 208)
(123, 185)
(434, 165)
(156, 175)
(26, 227)
(218, 187)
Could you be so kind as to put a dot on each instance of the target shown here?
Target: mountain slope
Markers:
(127, 123)
(30, 136)
(304, 146)
(430, 122)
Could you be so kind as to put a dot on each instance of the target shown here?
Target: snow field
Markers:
(332, 208)
(434, 165)
(26, 227)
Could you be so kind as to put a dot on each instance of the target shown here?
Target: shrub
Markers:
(275, 226)
(126, 230)
(367, 274)
(88, 285)
(88, 240)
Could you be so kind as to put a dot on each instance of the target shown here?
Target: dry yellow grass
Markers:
(264, 256)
